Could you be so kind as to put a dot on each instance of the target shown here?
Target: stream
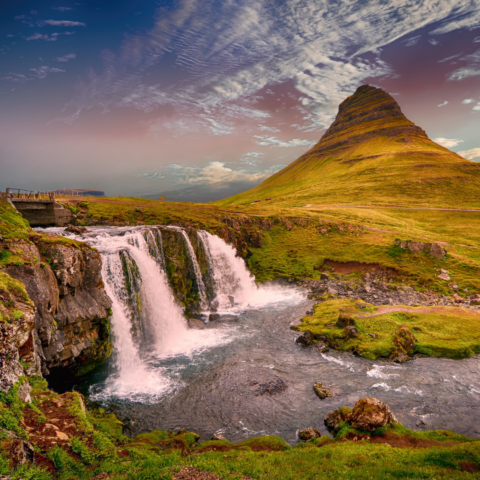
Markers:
(245, 376)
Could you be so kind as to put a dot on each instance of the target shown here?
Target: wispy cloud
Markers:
(277, 142)
(447, 142)
(434, 42)
(48, 38)
(467, 101)
(44, 71)
(412, 41)
(251, 158)
(14, 77)
(67, 57)
(231, 52)
(265, 128)
(443, 104)
(62, 9)
(470, 154)
(214, 175)
(471, 70)
(60, 23)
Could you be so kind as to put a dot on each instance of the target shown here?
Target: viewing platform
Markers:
(39, 208)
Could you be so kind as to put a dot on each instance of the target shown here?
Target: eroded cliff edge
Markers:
(63, 279)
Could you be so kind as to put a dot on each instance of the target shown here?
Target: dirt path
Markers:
(396, 309)
(395, 207)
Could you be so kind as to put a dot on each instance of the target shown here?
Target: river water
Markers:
(248, 377)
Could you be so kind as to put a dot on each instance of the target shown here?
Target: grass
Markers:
(99, 446)
(440, 331)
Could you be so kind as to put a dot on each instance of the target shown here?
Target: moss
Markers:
(439, 331)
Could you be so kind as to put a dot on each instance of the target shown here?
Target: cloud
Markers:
(447, 59)
(467, 101)
(230, 52)
(14, 77)
(476, 40)
(477, 107)
(471, 70)
(470, 154)
(447, 142)
(215, 174)
(276, 142)
(62, 9)
(67, 57)
(265, 128)
(48, 38)
(411, 42)
(251, 158)
(44, 71)
(60, 23)
(443, 104)
(433, 42)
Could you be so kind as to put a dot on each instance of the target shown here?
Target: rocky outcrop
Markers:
(368, 414)
(17, 352)
(434, 249)
(72, 309)
(403, 345)
(322, 391)
(371, 414)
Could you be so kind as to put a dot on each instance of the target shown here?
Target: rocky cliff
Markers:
(63, 280)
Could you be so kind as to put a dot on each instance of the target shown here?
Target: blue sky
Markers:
(202, 99)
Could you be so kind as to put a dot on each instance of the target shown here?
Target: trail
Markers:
(395, 207)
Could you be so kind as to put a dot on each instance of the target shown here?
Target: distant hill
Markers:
(80, 191)
(372, 155)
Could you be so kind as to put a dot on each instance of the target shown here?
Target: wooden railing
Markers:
(20, 193)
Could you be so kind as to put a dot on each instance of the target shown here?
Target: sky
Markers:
(201, 99)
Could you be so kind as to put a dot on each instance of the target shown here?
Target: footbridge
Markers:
(39, 208)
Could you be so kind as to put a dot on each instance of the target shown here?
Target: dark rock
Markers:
(322, 391)
(336, 419)
(218, 436)
(227, 318)
(306, 339)
(322, 347)
(344, 321)
(371, 414)
(76, 229)
(324, 276)
(308, 434)
(416, 247)
(351, 332)
(231, 300)
(437, 251)
(196, 324)
(214, 316)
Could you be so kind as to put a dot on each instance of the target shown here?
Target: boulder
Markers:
(336, 419)
(196, 324)
(308, 434)
(213, 316)
(371, 414)
(403, 344)
(416, 247)
(332, 291)
(231, 299)
(344, 321)
(437, 251)
(218, 436)
(444, 276)
(322, 391)
(322, 347)
(306, 339)
(324, 276)
(76, 229)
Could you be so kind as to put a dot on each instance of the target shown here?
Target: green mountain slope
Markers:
(372, 155)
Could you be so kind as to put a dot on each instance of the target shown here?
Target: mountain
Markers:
(372, 155)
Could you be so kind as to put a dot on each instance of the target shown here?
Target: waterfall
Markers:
(147, 323)
(232, 279)
(196, 267)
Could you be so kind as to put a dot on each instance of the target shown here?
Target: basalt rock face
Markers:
(72, 308)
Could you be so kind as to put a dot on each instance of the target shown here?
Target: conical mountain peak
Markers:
(368, 112)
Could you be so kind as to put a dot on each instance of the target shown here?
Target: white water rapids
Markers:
(156, 328)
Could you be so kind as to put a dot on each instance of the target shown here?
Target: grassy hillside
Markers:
(372, 155)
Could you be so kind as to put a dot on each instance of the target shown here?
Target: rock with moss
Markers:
(308, 434)
(336, 419)
(322, 391)
(403, 344)
(370, 414)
